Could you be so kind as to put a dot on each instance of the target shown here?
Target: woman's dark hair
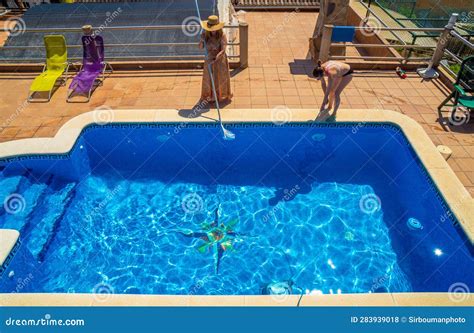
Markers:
(318, 70)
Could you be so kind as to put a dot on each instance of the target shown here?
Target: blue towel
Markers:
(343, 34)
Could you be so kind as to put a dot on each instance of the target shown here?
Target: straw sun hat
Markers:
(212, 23)
(87, 29)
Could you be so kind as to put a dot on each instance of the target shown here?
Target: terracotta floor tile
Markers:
(454, 165)
(305, 92)
(26, 132)
(276, 101)
(258, 92)
(289, 91)
(351, 92)
(308, 100)
(274, 92)
(259, 100)
(465, 164)
(9, 131)
(469, 149)
(45, 132)
(292, 100)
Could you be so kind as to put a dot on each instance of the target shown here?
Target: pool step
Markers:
(30, 194)
(48, 217)
(8, 194)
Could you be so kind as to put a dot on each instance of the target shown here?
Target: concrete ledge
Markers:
(395, 299)
(450, 187)
(8, 239)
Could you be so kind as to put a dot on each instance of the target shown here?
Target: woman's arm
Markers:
(223, 46)
(201, 41)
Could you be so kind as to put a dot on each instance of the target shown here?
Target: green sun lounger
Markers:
(463, 93)
(56, 66)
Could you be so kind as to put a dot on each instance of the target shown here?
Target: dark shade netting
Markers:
(171, 12)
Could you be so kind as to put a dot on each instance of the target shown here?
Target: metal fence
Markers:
(450, 49)
(241, 45)
(276, 4)
(457, 48)
(406, 15)
(405, 57)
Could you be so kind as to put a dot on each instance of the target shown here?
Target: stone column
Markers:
(331, 12)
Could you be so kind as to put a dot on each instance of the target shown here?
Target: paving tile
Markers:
(470, 175)
(465, 164)
(469, 149)
(464, 179)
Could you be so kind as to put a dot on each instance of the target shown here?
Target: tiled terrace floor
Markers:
(277, 75)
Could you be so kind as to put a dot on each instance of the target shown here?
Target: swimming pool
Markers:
(174, 209)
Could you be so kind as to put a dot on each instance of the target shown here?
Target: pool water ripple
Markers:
(135, 240)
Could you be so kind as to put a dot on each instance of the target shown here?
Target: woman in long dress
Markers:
(215, 41)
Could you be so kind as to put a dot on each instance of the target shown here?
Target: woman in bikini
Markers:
(339, 75)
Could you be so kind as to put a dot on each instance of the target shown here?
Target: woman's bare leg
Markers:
(342, 84)
(332, 93)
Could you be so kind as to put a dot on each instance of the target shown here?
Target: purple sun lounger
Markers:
(93, 67)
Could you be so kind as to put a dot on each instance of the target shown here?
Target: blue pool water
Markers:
(174, 209)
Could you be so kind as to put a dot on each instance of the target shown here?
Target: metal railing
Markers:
(449, 56)
(326, 45)
(441, 21)
(276, 4)
(242, 43)
(438, 58)
(370, 11)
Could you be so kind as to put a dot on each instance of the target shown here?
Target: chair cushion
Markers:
(467, 101)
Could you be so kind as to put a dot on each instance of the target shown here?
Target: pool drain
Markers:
(414, 224)
(278, 288)
(318, 137)
(349, 236)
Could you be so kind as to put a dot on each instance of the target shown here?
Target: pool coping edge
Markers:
(109, 299)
